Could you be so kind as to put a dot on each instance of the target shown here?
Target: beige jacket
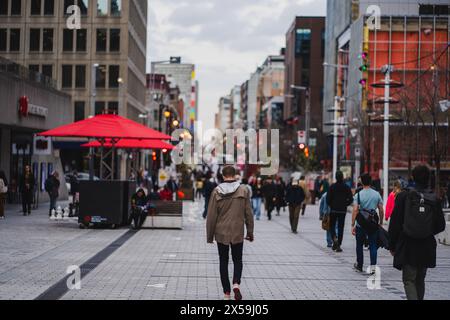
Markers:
(303, 185)
(229, 210)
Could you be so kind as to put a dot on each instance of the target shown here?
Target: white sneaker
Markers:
(227, 297)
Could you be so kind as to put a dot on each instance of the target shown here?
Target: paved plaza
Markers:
(178, 264)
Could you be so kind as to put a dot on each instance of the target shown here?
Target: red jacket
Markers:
(166, 195)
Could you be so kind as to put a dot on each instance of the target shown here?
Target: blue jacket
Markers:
(324, 209)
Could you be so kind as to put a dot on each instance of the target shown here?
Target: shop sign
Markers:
(42, 146)
(26, 108)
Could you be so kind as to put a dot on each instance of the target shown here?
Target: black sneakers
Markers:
(357, 268)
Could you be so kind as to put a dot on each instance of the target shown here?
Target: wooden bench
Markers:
(165, 215)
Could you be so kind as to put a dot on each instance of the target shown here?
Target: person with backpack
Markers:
(416, 219)
(3, 194)
(229, 211)
(366, 222)
(26, 188)
(295, 196)
(52, 185)
(338, 198)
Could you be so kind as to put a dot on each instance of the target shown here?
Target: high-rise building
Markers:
(305, 47)
(411, 36)
(182, 75)
(101, 64)
(223, 117)
(236, 108)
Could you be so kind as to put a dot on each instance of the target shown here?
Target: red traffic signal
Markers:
(302, 146)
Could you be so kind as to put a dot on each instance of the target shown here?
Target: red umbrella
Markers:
(132, 144)
(106, 126)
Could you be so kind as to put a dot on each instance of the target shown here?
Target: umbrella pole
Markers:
(102, 142)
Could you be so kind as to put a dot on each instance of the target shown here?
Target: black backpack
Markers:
(419, 214)
(48, 185)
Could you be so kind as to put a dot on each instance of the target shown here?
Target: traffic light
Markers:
(154, 156)
(365, 64)
(302, 146)
(307, 152)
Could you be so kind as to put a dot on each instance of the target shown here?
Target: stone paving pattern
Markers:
(180, 265)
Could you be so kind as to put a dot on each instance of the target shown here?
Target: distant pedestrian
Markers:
(244, 182)
(172, 185)
(312, 193)
(391, 200)
(304, 186)
(208, 189)
(369, 200)
(3, 193)
(317, 183)
(26, 188)
(229, 211)
(52, 185)
(280, 201)
(199, 188)
(269, 193)
(416, 220)
(139, 209)
(295, 196)
(324, 186)
(166, 194)
(324, 212)
(338, 198)
(257, 197)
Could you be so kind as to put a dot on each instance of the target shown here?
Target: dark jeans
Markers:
(340, 219)
(303, 208)
(52, 204)
(27, 200)
(294, 215)
(224, 255)
(270, 205)
(361, 236)
(138, 216)
(414, 282)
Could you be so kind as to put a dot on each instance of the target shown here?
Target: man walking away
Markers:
(280, 195)
(26, 188)
(52, 187)
(229, 211)
(369, 200)
(294, 197)
(257, 197)
(303, 185)
(416, 219)
(339, 197)
(324, 211)
(269, 193)
(208, 189)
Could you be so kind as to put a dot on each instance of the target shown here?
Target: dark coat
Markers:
(24, 181)
(409, 251)
(52, 187)
(295, 195)
(339, 197)
(269, 191)
(281, 195)
(208, 189)
(256, 191)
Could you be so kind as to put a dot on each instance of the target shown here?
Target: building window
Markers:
(101, 40)
(80, 76)
(113, 107)
(47, 70)
(34, 68)
(35, 39)
(102, 8)
(305, 77)
(84, 6)
(81, 40)
(100, 79)
(303, 42)
(4, 7)
(114, 74)
(47, 40)
(3, 39)
(14, 40)
(35, 7)
(67, 71)
(67, 40)
(16, 7)
(116, 8)
(114, 40)
(430, 9)
(79, 113)
(49, 7)
(99, 107)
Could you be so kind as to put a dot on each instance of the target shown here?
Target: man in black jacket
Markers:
(208, 189)
(294, 197)
(414, 256)
(270, 195)
(339, 197)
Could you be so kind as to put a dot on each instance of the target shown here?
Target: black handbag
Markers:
(368, 220)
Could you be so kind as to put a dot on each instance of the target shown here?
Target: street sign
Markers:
(357, 152)
(301, 137)
(313, 142)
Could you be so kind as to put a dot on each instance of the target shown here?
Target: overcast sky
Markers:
(225, 39)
